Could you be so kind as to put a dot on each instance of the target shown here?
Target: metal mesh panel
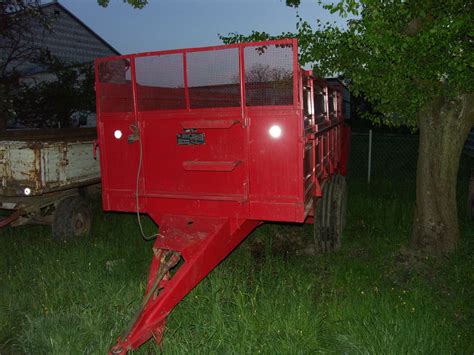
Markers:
(393, 157)
(213, 78)
(269, 75)
(115, 86)
(160, 82)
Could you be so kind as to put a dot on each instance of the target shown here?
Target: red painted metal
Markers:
(209, 124)
(202, 244)
(213, 141)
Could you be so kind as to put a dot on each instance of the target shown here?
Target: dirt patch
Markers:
(358, 253)
(282, 240)
(409, 263)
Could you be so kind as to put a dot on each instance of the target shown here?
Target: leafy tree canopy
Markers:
(53, 103)
(37, 103)
(400, 54)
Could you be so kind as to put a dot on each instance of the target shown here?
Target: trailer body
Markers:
(210, 142)
(39, 169)
(44, 165)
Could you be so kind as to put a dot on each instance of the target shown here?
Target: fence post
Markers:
(369, 165)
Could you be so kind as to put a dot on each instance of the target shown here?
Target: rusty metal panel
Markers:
(19, 167)
(68, 163)
(46, 166)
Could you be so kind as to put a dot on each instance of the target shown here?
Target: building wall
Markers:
(68, 39)
(71, 40)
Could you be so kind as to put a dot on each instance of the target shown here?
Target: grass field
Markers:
(264, 298)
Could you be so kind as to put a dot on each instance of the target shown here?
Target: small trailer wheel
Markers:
(331, 215)
(72, 219)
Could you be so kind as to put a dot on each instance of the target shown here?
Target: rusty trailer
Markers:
(42, 173)
(210, 143)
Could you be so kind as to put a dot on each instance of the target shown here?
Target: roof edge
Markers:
(63, 8)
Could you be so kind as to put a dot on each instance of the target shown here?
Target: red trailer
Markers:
(210, 142)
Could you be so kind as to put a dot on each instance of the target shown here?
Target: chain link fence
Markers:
(378, 155)
(383, 156)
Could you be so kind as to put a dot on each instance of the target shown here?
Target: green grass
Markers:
(264, 298)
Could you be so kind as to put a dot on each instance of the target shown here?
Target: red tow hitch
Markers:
(192, 245)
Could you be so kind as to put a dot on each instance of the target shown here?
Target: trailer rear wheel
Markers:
(322, 219)
(72, 219)
(339, 214)
(331, 215)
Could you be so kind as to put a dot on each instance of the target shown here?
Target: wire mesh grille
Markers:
(393, 156)
(115, 86)
(160, 82)
(269, 75)
(213, 78)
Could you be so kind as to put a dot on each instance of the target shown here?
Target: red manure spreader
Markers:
(210, 143)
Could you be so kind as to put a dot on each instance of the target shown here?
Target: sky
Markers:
(173, 24)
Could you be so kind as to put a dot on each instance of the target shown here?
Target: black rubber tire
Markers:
(323, 231)
(339, 213)
(72, 219)
(90, 191)
(330, 215)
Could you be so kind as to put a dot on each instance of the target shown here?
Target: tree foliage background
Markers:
(62, 101)
(398, 54)
(67, 93)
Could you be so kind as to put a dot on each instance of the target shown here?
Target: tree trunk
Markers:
(444, 125)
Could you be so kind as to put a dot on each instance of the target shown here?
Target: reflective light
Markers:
(27, 191)
(275, 131)
(118, 134)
